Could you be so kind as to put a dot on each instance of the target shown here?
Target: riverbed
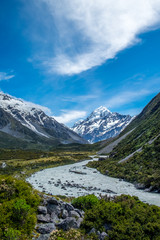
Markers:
(78, 180)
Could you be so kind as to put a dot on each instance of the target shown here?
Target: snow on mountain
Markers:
(101, 124)
(34, 118)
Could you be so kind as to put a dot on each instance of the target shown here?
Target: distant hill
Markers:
(101, 124)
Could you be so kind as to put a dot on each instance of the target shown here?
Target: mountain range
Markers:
(101, 124)
(24, 124)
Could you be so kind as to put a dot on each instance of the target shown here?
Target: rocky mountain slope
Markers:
(26, 122)
(101, 124)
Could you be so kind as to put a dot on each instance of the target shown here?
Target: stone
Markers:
(64, 213)
(54, 218)
(103, 235)
(79, 221)
(74, 214)
(42, 210)
(69, 207)
(67, 224)
(140, 186)
(44, 218)
(51, 208)
(43, 237)
(53, 201)
(45, 228)
(93, 230)
(81, 213)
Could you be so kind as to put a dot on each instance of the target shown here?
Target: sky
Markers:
(73, 56)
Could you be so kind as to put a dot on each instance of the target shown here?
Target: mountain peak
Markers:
(101, 124)
(99, 113)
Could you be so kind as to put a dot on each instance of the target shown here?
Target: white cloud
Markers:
(5, 76)
(69, 116)
(126, 97)
(102, 28)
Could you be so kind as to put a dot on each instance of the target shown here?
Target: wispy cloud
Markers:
(99, 28)
(69, 116)
(5, 76)
(126, 97)
(82, 98)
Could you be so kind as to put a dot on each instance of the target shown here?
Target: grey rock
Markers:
(53, 201)
(69, 207)
(68, 223)
(42, 210)
(74, 214)
(43, 237)
(81, 213)
(64, 213)
(44, 218)
(54, 218)
(79, 221)
(53, 209)
(140, 186)
(45, 228)
(93, 230)
(103, 235)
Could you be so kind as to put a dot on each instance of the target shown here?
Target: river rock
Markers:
(45, 228)
(140, 186)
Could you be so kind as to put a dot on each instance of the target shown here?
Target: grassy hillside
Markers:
(143, 167)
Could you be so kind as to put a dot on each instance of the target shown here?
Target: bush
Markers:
(18, 206)
(124, 218)
(85, 202)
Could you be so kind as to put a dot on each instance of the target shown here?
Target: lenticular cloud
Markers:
(94, 31)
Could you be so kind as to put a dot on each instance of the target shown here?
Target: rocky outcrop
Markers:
(55, 214)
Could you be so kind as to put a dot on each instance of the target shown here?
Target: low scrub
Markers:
(18, 205)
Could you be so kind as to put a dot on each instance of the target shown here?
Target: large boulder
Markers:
(68, 223)
(53, 201)
(45, 228)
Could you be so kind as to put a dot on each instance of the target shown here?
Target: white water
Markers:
(53, 180)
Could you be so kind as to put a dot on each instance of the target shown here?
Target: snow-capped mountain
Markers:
(101, 125)
(26, 120)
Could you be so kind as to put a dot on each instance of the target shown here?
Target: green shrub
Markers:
(124, 218)
(18, 206)
(12, 234)
(85, 202)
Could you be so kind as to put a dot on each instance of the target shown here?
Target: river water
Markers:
(78, 180)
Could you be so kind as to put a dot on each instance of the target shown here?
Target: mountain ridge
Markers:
(27, 121)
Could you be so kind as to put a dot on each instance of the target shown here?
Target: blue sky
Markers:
(74, 56)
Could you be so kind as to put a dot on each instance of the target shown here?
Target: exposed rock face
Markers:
(27, 121)
(101, 125)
